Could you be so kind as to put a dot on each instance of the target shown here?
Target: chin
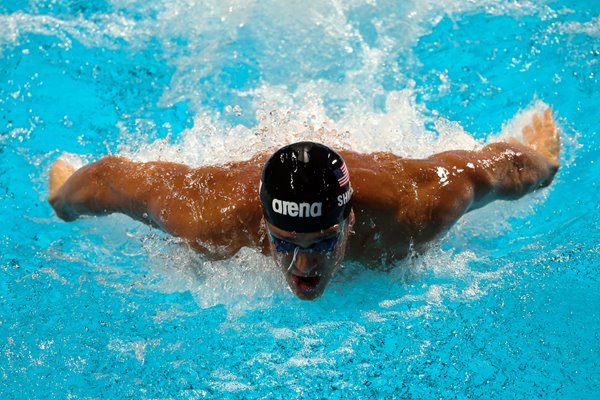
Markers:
(304, 291)
(306, 295)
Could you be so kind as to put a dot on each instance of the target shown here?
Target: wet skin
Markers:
(398, 204)
(306, 271)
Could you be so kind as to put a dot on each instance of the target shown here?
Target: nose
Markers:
(305, 262)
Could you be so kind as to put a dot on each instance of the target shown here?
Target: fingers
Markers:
(528, 133)
(549, 124)
(553, 136)
(59, 173)
(541, 135)
(546, 134)
(537, 123)
(548, 117)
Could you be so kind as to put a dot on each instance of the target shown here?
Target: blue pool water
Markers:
(507, 305)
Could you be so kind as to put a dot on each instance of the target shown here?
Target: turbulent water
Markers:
(505, 306)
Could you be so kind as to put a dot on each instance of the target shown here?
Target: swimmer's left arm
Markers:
(499, 171)
(457, 182)
(510, 170)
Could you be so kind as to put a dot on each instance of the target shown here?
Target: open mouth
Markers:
(306, 283)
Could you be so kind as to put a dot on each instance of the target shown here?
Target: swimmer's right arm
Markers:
(111, 184)
(210, 207)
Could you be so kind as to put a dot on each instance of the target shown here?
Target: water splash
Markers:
(281, 72)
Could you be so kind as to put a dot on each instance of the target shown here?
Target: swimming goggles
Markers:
(322, 246)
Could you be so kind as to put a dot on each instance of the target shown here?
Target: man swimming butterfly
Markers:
(299, 206)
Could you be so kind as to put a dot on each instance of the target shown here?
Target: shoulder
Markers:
(373, 175)
(423, 195)
(384, 173)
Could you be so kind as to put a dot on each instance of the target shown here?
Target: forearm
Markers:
(513, 170)
(103, 187)
(215, 208)
(501, 171)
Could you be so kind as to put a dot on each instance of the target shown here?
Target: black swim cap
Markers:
(305, 187)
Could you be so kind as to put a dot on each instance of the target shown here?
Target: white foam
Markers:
(513, 127)
(590, 28)
(103, 31)
(248, 280)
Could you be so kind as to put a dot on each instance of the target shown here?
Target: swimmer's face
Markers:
(309, 260)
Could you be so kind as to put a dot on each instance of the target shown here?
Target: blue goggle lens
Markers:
(322, 246)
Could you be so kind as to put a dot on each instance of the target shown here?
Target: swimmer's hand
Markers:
(542, 136)
(59, 173)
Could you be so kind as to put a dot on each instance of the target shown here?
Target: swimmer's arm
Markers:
(112, 184)
(499, 171)
(215, 209)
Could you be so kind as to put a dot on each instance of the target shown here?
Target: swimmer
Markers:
(308, 206)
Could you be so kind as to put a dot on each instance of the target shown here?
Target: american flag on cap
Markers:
(342, 175)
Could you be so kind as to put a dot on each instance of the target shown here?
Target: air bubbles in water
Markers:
(237, 110)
